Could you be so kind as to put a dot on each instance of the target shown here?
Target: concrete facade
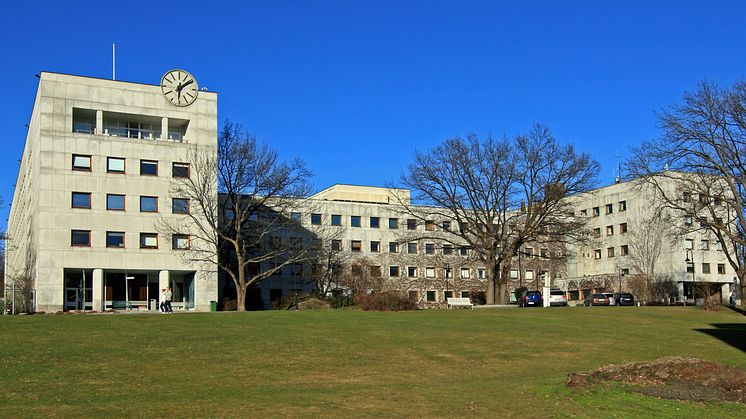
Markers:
(123, 132)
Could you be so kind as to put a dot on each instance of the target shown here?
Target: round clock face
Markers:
(179, 87)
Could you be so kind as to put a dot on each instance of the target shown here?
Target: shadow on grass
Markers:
(734, 334)
(737, 309)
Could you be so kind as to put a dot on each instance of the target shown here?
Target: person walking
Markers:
(169, 295)
(162, 301)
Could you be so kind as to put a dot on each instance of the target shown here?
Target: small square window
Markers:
(705, 268)
(623, 228)
(429, 225)
(336, 220)
(721, 268)
(429, 249)
(429, 272)
(149, 167)
(430, 296)
(80, 238)
(447, 249)
(411, 224)
(81, 200)
(115, 165)
(295, 217)
(180, 205)
(180, 170)
(394, 271)
(356, 245)
(609, 230)
(596, 211)
(610, 252)
(482, 273)
(393, 247)
(114, 202)
(355, 221)
(375, 246)
(465, 273)
(115, 239)
(622, 206)
(448, 294)
(447, 273)
(609, 208)
(446, 226)
(180, 242)
(148, 204)
(463, 251)
(412, 271)
(624, 250)
(375, 222)
(393, 223)
(411, 248)
(337, 245)
(316, 219)
(148, 240)
(82, 162)
(597, 254)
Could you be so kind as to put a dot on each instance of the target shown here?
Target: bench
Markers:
(460, 302)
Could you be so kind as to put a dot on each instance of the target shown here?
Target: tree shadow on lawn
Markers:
(734, 334)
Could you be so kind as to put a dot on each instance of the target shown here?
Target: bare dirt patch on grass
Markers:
(672, 378)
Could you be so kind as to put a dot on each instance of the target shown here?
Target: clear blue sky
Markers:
(354, 87)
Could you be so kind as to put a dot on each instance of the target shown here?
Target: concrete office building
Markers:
(97, 166)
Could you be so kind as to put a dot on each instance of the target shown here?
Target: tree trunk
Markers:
(241, 298)
(491, 285)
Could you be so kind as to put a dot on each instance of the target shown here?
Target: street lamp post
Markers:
(446, 273)
(688, 260)
(621, 276)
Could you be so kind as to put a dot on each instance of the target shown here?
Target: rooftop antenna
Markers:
(618, 170)
(113, 61)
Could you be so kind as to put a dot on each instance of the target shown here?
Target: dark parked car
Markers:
(532, 298)
(624, 299)
(596, 300)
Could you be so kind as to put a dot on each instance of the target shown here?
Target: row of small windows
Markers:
(608, 209)
(611, 252)
(706, 268)
(704, 244)
(82, 162)
(610, 230)
(116, 202)
(116, 239)
(374, 222)
(395, 247)
(396, 271)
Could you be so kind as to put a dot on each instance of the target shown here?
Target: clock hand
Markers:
(186, 84)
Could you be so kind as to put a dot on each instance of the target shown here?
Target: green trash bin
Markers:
(213, 306)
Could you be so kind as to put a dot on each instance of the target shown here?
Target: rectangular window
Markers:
(705, 268)
(80, 238)
(622, 206)
(721, 268)
(584, 213)
(597, 254)
(148, 204)
(543, 252)
(447, 249)
(609, 230)
(180, 242)
(411, 248)
(148, 240)
(481, 273)
(82, 162)
(446, 226)
(529, 274)
(597, 232)
(447, 294)
(624, 250)
(115, 202)
(463, 251)
(295, 217)
(687, 197)
(464, 294)
(689, 244)
(115, 239)
(393, 247)
(514, 274)
(529, 251)
(393, 223)
(596, 211)
(465, 273)
(81, 200)
(394, 271)
(115, 165)
(610, 252)
(690, 267)
(336, 220)
(375, 222)
(411, 224)
(180, 170)
(355, 221)
(375, 246)
(337, 245)
(688, 220)
(316, 219)
(429, 249)
(718, 245)
(430, 296)
(149, 167)
(447, 273)
(180, 205)
(356, 245)
(412, 271)
(609, 208)
(429, 225)
(429, 272)
(705, 245)
(623, 228)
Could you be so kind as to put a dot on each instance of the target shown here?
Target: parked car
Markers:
(596, 300)
(624, 299)
(532, 298)
(610, 296)
(557, 298)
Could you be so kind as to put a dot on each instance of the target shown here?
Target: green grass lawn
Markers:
(439, 363)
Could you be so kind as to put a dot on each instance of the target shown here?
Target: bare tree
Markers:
(244, 209)
(501, 194)
(702, 150)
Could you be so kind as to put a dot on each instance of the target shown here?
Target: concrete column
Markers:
(98, 289)
(164, 281)
(99, 122)
(681, 291)
(164, 128)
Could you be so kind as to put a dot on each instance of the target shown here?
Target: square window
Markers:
(596, 211)
(336, 220)
(622, 206)
(115, 202)
(446, 226)
(393, 223)
(375, 222)
(597, 232)
(463, 251)
(705, 245)
(375, 246)
(447, 249)
(514, 274)
(721, 268)
(180, 170)
(429, 225)
(464, 294)
(689, 244)
(465, 273)
(543, 252)
(115, 239)
(115, 165)
(180, 205)
(148, 240)
(337, 245)
(429, 249)
(705, 268)
(624, 250)
(529, 251)
(609, 208)
(393, 247)
(411, 248)
(430, 296)
(148, 204)
(609, 230)
(448, 294)
(584, 213)
(356, 245)
(81, 200)
(393, 271)
(447, 272)
(149, 167)
(180, 242)
(80, 238)
(355, 221)
(597, 254)
(622, 228)
(412, 271)
(529, 274)
(481, 273)
(610, 252)
(429, 272)
(295, 217)
(316, 219)
(82, 162)
(411, 224)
